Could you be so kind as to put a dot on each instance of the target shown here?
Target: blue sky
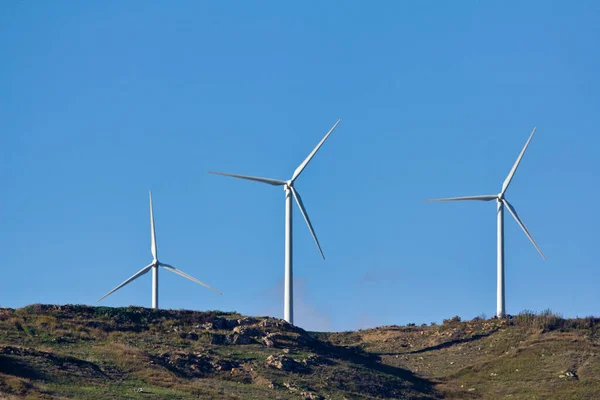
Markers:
(101, 101)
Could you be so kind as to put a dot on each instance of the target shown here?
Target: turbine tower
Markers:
(154, 267)
(502, 202)
(290, 191)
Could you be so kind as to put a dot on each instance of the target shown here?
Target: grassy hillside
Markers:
(101, 353)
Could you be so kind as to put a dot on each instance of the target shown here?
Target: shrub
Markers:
(546, 321)
(525, 317)
(452, 320)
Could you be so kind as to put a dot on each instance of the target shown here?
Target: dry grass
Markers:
(88, 352)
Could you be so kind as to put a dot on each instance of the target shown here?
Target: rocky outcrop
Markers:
(186, 364)
(225, 365)
(314, 360)
(244, 335)
(285, 363)
(223, 324)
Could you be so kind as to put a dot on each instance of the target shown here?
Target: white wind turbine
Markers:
(154, 267)
(501, 203)
(288, 307)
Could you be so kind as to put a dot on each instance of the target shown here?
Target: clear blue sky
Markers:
(101, 101)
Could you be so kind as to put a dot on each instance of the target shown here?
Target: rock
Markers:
(267, 323)
(471, 389)
(224, 323)
(187, 364)
(272, 323)
(268, 342)
(314, 359)
(224, 365)
(244, 335)
(218, 339)
(247, 321)
(568, 374)
(240, 339)
(284, 363)
(219, 323)
(311, 396)
(246, 331)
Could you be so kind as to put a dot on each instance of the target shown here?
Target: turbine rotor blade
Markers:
(522, 225)
(480, 198)
(301, 167)
(191, 278)
(274, 182)
(152, 230)
(133, 278)
(511, 174)
(305, 215)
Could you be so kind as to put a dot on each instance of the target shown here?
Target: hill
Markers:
(84, 352)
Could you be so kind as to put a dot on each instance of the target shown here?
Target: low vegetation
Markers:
(82, 352)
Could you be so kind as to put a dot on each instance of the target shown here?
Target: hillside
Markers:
(102, 353)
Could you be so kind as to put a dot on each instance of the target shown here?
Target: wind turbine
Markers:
(154, 267)
(288, 303)
(502, 202)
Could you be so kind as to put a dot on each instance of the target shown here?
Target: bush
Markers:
(546, 321)
(525, 317)
(452, 320)
(33, 309)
